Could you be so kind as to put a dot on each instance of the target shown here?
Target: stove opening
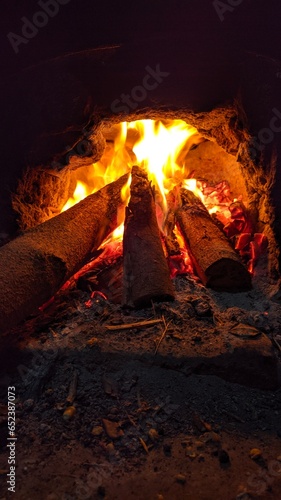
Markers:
(159, 223)
(141, 202)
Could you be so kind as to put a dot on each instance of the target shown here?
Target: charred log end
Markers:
(227, 275)
(216, 262)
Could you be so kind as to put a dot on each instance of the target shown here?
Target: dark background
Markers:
(253, 25)
(52, 87)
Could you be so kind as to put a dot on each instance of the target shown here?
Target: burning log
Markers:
(216, 262)
(108, 280)
(146, 272)
(35, 265)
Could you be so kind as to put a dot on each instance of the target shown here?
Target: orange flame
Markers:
(80, 192)
(158, 149)
(158, 146)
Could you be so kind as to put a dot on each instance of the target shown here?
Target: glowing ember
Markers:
(95, 295)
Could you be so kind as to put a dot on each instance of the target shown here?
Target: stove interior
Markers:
(176, 157)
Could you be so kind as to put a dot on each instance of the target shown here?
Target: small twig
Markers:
(276, 343)
(72, 388)
(166, 325)
(138, 324)
(53, 332)
(142, 442)
(131, 420)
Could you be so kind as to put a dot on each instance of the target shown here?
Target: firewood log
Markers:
(35, 265)
(146, 273)
(216, 262)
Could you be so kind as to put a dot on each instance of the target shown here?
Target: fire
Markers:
(158, 150)
(79, 194)
(160, 147)
(194, 186)
(115, 162)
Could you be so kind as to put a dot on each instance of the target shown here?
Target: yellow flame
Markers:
(157, 150)
(158, 146)
(125, 191)
(191, 184)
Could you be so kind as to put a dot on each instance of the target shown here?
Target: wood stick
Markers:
(162, 337)
(137, 324)
(216, 262)
(35, 265)
(146, 272)
(170, 240)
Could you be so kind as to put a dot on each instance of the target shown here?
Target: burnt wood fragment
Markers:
(108, 279)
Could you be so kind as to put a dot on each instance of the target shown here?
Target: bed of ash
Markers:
(188, 407)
